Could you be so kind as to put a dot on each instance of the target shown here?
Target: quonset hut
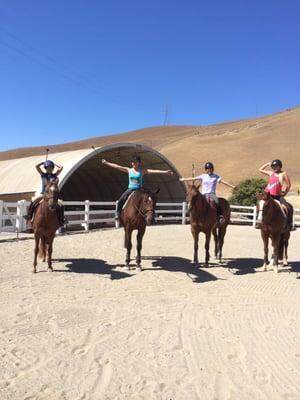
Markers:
(85, 178)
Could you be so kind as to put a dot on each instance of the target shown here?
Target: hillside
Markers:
(237, 148)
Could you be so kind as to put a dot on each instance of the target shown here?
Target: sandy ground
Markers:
(93, 330)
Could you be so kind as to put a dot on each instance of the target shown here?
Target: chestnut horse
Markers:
(203, 218)
(45, 224)
(138, 212)
(274, 226)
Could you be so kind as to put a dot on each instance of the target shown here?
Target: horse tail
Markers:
(42, 249)
(280, 247)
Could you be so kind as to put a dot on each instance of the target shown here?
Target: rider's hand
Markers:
(169, 172)
(103, 161)
(181, 179)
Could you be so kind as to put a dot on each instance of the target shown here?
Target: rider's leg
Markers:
(31, 208)
(220, 216)
(122, 201)
(60, 213)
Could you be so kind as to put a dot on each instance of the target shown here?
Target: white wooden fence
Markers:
(94, 214)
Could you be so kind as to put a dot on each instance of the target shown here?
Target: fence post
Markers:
(1, 213)
(117, 223)
(184, 213)
(254, 216)
(86, 215)
(21, 210)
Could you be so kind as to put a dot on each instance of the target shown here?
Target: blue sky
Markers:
(73, 69)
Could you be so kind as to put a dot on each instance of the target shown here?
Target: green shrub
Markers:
(244, 194)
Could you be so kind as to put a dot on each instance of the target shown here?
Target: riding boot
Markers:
(290, 221)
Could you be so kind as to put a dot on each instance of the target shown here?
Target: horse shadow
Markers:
(179, 264)
(244, 266)
(90, 266)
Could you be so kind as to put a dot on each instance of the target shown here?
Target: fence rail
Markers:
(93, 214)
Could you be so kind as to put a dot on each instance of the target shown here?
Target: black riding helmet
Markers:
(208, 165)
(276, 163)
(136, 159)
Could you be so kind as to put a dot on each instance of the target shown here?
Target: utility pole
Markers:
(166, 118)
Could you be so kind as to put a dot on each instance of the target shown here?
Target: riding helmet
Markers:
(136, 159)
(49, 164)
(276, 163)
(209, 165)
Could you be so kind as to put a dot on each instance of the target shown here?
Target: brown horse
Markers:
(274, 226)
(45, 224)
(137, 213)
(203, 218)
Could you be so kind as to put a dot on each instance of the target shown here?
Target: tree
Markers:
(244, 193)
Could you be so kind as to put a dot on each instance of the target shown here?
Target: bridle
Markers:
(143, 213)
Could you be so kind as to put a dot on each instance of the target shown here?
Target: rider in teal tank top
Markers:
(135, 178)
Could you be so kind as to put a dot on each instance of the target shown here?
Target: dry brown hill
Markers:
(237, 148)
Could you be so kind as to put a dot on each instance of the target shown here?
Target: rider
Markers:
(47, 176)
(135, 178)
(209, 181)
(277, 180)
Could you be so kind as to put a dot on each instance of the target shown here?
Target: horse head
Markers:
(191, 195)
(148, 205)
(263, 199)
(51, 195)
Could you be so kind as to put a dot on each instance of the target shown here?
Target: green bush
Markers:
(244, 194)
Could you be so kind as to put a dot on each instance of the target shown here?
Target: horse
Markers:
(274, 226)
(203, 218)
(45, 224)
(138, 212)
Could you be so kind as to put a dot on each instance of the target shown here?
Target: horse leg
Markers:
(221, 236)
(286, 243)
(128, 245)
(139, 238)
(36, 252)
(195, 233)
(265, 239)
(207, 241)
(276, 244)
(49, 254)
(215, 233)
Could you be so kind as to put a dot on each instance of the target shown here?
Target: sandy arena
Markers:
(91, 330)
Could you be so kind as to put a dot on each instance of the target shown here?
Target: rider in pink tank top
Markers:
(274, 186)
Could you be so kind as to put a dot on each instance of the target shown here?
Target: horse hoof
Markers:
(128, 267)
(50, 269)
(34, 270)
(275, 269)
(138, 267)
(205, 265)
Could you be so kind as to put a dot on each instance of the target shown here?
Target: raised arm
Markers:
(59, 168)
(157, 171)
(115, 166)
(227, 184)
(262, 169)
(38, 168)
(190, 179)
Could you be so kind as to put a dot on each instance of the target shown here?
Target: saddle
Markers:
(211, 203)
(283, 208)
(126, 201)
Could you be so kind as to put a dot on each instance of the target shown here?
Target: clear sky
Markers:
(73, 69)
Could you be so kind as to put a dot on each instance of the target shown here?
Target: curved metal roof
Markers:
(85, 177)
